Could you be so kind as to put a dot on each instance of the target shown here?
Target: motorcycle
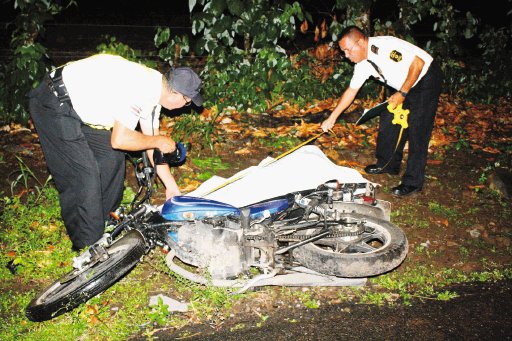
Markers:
(337, 233)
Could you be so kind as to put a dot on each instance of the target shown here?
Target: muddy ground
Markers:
(481, 312)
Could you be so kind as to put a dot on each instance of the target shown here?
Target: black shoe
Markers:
(404, 190)
(374, 169)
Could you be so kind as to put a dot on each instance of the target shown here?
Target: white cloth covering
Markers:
(305, 168)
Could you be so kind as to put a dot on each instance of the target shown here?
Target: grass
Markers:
(439, 209)
(279, 142)
(33, 239)
(208, 166)
(409, 216)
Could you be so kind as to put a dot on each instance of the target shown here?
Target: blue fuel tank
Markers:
(180, 208)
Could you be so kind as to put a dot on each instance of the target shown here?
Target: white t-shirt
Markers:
(105, 88)
(393, 56)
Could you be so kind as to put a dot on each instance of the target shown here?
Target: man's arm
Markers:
(412, 76)
(163, 171)
(131, 140)
(346, 99)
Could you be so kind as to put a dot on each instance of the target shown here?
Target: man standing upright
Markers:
(416, 77)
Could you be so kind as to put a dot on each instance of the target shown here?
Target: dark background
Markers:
(77, 31)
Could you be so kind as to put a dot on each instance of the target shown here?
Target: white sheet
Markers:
(305, 168)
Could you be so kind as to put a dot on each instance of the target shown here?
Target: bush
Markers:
(28, 62)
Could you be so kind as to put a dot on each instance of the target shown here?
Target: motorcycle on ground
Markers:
(337, 233)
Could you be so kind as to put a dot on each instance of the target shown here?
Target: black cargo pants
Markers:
(422, 102)
(88, 173)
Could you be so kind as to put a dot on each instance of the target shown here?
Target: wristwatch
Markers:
(403, 93)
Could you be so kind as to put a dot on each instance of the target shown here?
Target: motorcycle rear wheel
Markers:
(66, 294)
(372, 254)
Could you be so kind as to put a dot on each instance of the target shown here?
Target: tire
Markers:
(66, 294)
(358, 258)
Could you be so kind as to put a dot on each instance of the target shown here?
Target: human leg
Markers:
(72, 165)
(388, 153)
(423, 105)
(111, 165)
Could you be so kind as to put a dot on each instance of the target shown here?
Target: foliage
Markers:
(256, 70)
(490, 77)
(253, 70)
(171, 48)
(112, 46)
(447, 23)
(24, 177)
(189, 127)
(29, 60)
(29, 234)
(248, 67)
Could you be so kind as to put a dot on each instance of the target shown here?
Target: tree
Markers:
(29, 61)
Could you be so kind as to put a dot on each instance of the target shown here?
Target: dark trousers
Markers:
(88, 173)
(422, 102)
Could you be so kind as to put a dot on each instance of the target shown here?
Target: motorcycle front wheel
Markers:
(78, 287)
(381, 247)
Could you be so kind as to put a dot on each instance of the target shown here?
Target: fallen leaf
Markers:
(259, 133)
(243, 151)
(434, 162)
(91, 309)
(304, 26)
(324, 29)
(93, 319)
(491, 150)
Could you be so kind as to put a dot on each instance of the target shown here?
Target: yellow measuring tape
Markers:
(240, 176)
(400, 117)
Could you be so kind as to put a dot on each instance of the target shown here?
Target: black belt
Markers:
(57, 86)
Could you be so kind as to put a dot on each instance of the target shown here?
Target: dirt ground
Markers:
(450, 187)
(481, 312)
(455, 222)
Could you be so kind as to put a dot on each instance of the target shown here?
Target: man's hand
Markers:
(395, 100)
(328, 123)
(171, 192)
(348, 97)
(412, 76)
(165, 144)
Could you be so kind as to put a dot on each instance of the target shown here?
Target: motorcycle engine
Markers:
(213, 245)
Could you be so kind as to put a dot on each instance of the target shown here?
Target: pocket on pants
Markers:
(70, 127)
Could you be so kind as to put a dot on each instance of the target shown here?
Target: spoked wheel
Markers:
(359, 246)
(78, 286)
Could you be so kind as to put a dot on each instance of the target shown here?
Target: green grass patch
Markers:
(279, 142)
(450, 213)
(409, 216)
(426, 282)
(208, 167)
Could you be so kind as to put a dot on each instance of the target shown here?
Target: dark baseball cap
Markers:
(185, 81)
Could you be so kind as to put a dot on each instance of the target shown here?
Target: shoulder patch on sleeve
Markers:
(395, 56)
(374, 49)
